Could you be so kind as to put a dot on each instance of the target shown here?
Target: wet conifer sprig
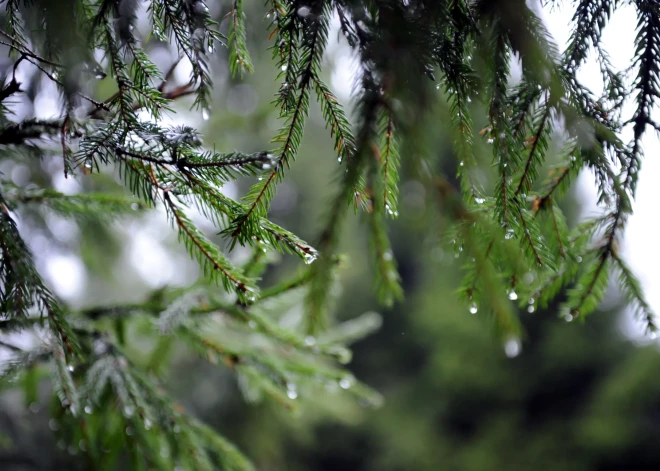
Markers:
(416, 58)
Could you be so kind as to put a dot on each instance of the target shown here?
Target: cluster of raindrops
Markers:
(532, 305)
(390, 211)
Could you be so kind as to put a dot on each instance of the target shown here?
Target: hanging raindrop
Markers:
(310, 257)
(512, 295)
(512, 347)
(345, 383)
(474, 308)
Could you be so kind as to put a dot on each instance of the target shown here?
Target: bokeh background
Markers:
(577, 397)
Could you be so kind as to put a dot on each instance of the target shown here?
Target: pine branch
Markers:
(239, 57)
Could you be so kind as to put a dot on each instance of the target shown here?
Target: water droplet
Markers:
(88, 409)
(480, 200)
(176, 429)
(469, 100)
(345, 382)
(310, 341)
(304, 11)
(437, 87)
(531, 308)
(211, 48)
(512, 347)
(100, 75)
(339, 159)
(129, 431)
(34, 407)
(53, 425)
(509, 234)
(490, 141)
(291, 393)
(252, 325)
(128, 411)
(88, 165)
(531, 301)
(205, 114)
(512, 295)
(653, 334)
(200, 8)
(284, 67)
(461, 163)
(71, 368)
(310, 257)
(147, 424)
(387, 256)
(578, 259)
(72, 450)
(474, 308)
(135, 206)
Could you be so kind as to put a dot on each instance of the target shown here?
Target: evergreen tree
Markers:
(513, 234)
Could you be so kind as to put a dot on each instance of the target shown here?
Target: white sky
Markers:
(640, 247)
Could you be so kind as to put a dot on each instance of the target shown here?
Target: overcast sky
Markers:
(641, 247)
